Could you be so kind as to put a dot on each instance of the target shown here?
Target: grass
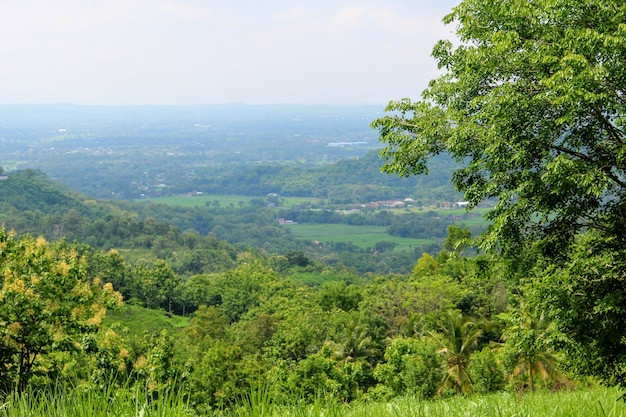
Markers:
(94, 402)
(139, 320)
(202, 200)
(361, 236)
(88, 402)
(595, 402)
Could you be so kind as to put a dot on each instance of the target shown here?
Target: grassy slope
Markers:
(139, 320)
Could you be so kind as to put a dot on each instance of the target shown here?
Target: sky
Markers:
(181, 52)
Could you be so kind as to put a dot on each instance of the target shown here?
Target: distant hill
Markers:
(33, 190)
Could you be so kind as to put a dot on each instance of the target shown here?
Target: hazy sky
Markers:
(217, 51)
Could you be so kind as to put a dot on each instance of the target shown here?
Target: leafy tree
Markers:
(241, 289)
(223, 375)
(339, 295)
(169, 284)
(208, 323)
(300, 325)
(457, 240)
(385, 246)
(352, 341)
(112, 266)
(160, 369)
(319, 375)
(426, 265)
(585, 298)
(145, 286)
(46, 304)
(531, 105)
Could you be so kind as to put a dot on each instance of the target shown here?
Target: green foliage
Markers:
(412, 366)
(240, 289)
(528, 351)
(339, 295)
(159, 369)
(486, 373)
(458, 338)
(457, 240)
(319, 375)
(80, 402)
(207, 324)
(542, 132)
(136, 320)
(46, 306)
(531, 105)
(301, 328)
(584, 299)
(222, 376)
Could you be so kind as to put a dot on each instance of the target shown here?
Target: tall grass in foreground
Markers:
(599, 402)
(92, 402)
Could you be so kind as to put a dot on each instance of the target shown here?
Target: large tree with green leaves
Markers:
(531, 103)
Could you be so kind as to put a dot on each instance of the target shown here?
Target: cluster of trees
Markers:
(531, 104)
(446, 328)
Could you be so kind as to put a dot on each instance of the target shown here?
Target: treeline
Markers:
(426, 225)
(115, 175)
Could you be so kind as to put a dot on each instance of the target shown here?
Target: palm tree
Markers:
(527, 337)
(354, 342)
(458, 336)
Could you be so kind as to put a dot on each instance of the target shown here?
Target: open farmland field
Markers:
(361, 236)
(223, 201)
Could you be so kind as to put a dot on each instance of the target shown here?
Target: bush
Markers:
(412, 367)
(487, 376)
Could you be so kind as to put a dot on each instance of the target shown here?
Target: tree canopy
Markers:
(46, 305)
(531, 104)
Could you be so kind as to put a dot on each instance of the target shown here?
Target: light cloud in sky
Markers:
(208, 51)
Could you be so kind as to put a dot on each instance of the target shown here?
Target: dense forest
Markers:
(254, 317)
